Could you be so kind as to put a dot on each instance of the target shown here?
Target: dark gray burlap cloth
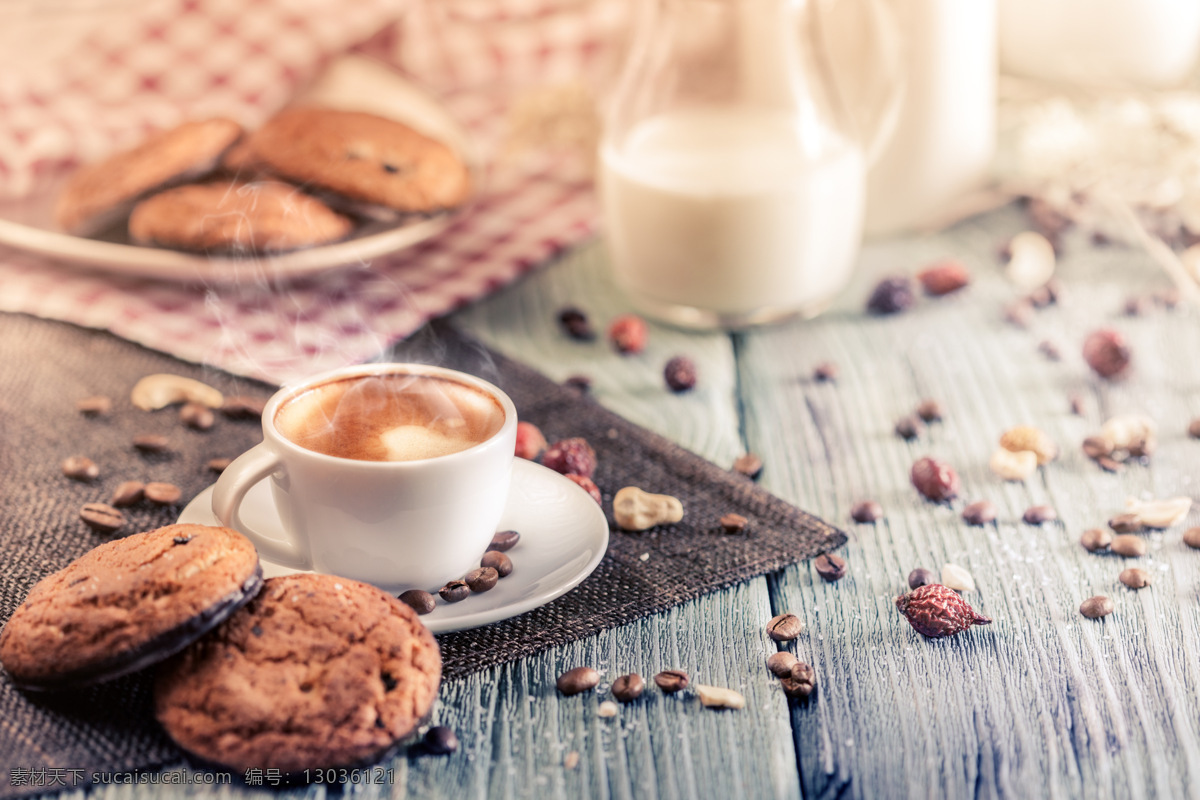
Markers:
(45, 367)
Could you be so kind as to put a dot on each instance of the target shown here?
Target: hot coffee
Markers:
(390, 417)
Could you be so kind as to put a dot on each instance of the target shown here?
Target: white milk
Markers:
(718, 217)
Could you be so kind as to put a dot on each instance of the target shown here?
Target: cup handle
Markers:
(248, 469)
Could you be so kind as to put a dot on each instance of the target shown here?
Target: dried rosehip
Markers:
(935, 611)
(530, 441)
(588, 485)
(944, 277)
(891, 296)
(628, 334)
(571, 457)
(680, 374)
(935, 480)
(1106, 353)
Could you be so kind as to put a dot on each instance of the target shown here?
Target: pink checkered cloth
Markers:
(150, 65)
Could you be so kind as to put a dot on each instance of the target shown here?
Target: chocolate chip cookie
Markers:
(316, 672)
(99, 193)
(236, 217)
(127, 604)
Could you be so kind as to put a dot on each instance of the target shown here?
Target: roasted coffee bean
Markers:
(1096, 607)
(1191, 537)
(930, 410)
(1019, 313)
(219, 464)
(981, 512)
(680, 374)
(935, 480)
(80, 468)
(497, 561)
(95, 406)
(440, 740)
(151, 443)
(866, 511)
(830, 567)
(801, 683)
(749, 465)
(1128, 545)
(1126, 523)
(575, 323)
(419, 600)
(1137, 305)
(580, 383)
(784, 627)
(671, 680)
(482, 579)
(733, 523)
(162, 493)
(909, 427)
(1038, 515)
(921, 577)
(504, 541)
(891, 296)
(825, 372)
(197, 416)
(781, 663)
(1095, 539)
(454, 591)
(102, 517)
(1077, 404)
(128, 493)
(242, 407)
(628, 688)
(1134, 578)
(1050, 350)
(577, 680)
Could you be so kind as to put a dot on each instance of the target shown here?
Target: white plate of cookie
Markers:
(361, 165)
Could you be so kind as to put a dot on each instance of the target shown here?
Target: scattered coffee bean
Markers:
(1191, 537)
(102, 517)
(909, 427)
(628, 688)
(1019, 313)
(935, 480)
(749, 465)
(440, 740)
(419, 600)
(733, 523)
(482, 579)
(1128, 545)
(588, 485)
(780, 663)
(95, 406)
(579, 383)
(957, 578)
(801, 682)
(575, 681)
(628, 334)
(671, 680)
(80, 468)
(784, 627)
(930, 410)
(607, 709)
(1126, 523)
(162, 493)
(825, 372)
(680, 374)
(504, 541)
(1134, 578)
(128, 493)
(1039, 515)
(1096, 607)
(1095, 539)
(944, 277)
(497, 561)
(1194, 428)
(1137, 305)
(891, 296)
(1109, 464)
(530, 441)
(921, 577)
(151, 443)
(1050, 350)
(866, 511)
(1077, 404)
(219, 464)
(197, 416)
(830, 567)
(1106, 352)
(243, 407)
(454, 591)
(576, 324)
(981, 512)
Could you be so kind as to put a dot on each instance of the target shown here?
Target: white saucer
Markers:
(563, 537)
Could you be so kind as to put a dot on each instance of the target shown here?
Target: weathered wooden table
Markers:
(1043, 702)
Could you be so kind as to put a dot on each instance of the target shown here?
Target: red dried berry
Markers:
(588, 485)
(530, 441)
(944, 277)
(935, 611)
(628, 334)
(1106, 353)
(680, 374)
(935, 480)
(571, 457)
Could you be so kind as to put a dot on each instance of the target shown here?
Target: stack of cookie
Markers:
(303, 672)
(309, 176)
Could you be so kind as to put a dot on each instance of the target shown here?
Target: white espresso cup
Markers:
(392, 474)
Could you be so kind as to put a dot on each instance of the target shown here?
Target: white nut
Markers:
(1027, 437)
(719, 697)
(1013, 465)
(1160, 513)
(1130, 430)
(635, 510)
(1032, 261)
(162, 389)
(957, 578)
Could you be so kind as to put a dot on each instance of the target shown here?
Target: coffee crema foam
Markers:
(390, 417)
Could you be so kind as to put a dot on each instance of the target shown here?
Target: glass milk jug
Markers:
(732, 171)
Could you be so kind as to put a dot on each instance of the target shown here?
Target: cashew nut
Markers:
(1012, 465)
(1160, 513)
(635, 510)
(162, 389)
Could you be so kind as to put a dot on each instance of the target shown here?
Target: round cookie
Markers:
(236, 217)
(127, 604)
(96, 193)
(316, 672)
(363, 157)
